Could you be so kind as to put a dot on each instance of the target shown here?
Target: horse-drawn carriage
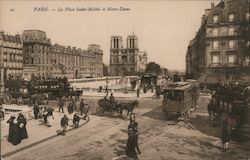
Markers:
(37, 91)
(61, 88)
(232, 100)
(21, 91)
(122, 109)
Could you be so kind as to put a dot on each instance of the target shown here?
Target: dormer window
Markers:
(231, 17)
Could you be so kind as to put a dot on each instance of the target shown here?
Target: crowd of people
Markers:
(228, 106)
(17, 124)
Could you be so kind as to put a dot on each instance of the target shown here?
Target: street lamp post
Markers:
(107, 82)
(1, 77)
(162, 73)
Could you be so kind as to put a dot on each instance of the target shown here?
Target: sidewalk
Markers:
(37, 132)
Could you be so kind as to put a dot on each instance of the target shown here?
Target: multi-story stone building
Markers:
(128, 60)
(11, 56)
(76, 63)
(43, 59)
(220, 50)
(36, 52)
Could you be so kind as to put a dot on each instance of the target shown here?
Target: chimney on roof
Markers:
(202, 19)
(207, 12)
(212, 5)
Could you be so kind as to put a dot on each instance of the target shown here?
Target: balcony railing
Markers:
(245, 64)
(226, 70)
(215, 65)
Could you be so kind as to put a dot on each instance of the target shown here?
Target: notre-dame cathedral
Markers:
(126, 60)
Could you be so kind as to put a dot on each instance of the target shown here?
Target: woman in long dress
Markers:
(50, 118)
(16, 136)
(14, 131)
(11, 127)
(225, 131)
(70, 109)
(22, 122)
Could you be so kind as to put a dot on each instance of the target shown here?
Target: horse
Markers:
(246, 92)
(129, 107)
(39, 99)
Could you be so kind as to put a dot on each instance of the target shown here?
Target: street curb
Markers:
(115, 96)
(40, 141)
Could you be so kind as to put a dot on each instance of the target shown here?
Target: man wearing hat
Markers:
(36, 111)
(70, 108)
(76, 120)
(131, 144)
(61, 104)
(82, 106)
(64, 123)
(2, 112)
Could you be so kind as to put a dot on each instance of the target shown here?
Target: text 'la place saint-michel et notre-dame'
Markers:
(72, 9)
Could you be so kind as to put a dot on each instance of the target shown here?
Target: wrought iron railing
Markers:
(239, 70)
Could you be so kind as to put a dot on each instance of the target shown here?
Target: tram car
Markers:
(180, 98)
(148, 81)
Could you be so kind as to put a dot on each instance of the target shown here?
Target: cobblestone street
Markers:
(125, 80)
(105, 138)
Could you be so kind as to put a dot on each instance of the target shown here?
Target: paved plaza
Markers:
(105, 138)
(37, 130)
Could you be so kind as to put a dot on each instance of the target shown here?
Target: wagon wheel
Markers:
(20, 101)
(112, 113)
(185, 116)
(168, 117)
(7, 98)
(99, 110)
(124, 113)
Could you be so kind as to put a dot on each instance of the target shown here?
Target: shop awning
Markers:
(212, 79)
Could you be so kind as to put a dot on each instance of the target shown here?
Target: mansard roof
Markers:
(10, 38)
(36, 36)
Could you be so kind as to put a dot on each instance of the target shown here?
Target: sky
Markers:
(164, 28)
